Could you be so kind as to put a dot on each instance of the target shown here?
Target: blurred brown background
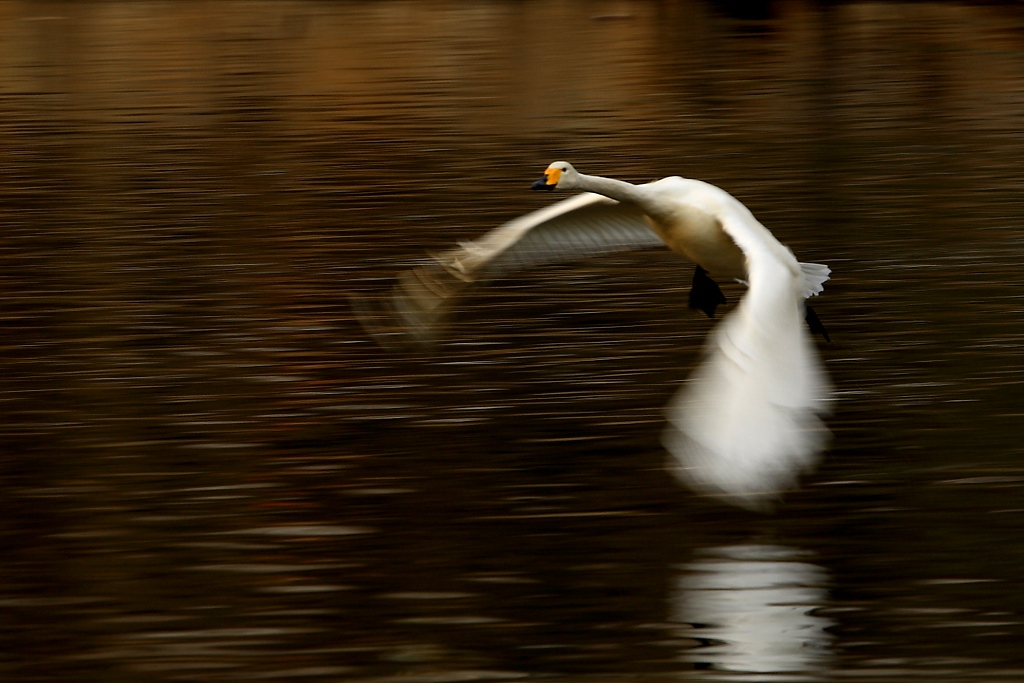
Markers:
(210, 473)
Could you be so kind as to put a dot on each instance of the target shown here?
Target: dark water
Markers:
(209, 473)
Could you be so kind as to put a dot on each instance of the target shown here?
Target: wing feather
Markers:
(579, 227)
(582, 226)
(746, 424)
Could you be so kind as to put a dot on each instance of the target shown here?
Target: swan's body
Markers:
(746, 424)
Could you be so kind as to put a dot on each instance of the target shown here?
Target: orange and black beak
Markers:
(550, 181)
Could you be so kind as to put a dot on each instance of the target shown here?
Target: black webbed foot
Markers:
(814, 322)
(704, 293)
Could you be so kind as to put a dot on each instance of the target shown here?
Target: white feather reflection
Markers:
(752, 609)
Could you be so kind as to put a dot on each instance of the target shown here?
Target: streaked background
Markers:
(209, 473)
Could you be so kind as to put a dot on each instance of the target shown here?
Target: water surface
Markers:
(210, 473)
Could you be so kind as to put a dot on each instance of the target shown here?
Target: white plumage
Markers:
(746, 424)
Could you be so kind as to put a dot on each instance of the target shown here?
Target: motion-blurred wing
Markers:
(746, 425)
(579, 227)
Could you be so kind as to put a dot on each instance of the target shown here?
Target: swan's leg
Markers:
(814, 322)
(704, 293)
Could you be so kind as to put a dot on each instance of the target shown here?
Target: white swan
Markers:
(746, 424)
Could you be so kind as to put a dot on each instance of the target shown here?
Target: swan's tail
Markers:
(815, 275)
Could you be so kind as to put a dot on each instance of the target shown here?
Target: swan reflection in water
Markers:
(752, 608)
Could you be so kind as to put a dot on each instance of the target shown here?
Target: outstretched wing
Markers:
(578, 227)
(746, 424)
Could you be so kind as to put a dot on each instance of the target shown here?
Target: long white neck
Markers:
(614, 189)
(628, 193)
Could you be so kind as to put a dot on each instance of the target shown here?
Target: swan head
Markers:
(559, 175)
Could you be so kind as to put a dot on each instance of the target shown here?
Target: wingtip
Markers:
(682, 461)
(372, 315)
(416, 310)
(384, 325)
